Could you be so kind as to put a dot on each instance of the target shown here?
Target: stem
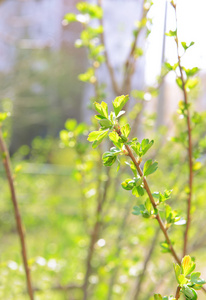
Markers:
(147, 259)
(120, 237)
(146, 186)
(115, 86)
(94, 237)
(189, 130)
(19, 225)
(177, 295)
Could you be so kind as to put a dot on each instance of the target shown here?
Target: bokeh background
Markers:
(58, 183)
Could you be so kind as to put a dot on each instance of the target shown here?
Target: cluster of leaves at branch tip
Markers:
(89, 38)
(188, 281)
(119, 135)
(187, 82)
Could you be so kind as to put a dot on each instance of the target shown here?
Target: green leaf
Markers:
(119, 103)
(195, 278)
(146, 145)
(189, 293)
(93, 10)
(179, 82)
(105, 123)
(191, 83)
(136, 147)
(182, 280)
(126, 130)
(138, 210)
(187, 265)
(96, 137)
(70, 18)
(165, 247)
(102, 109)
(87, 76)
(138, 191)
(3, 116)
(149, 167)
(115, 138)
(108, 160)
(157, 297)
(185, 46)
(177, 269)
(148, 205)
(168, 66)
(128, 184)
(171, 33)
(191, 72)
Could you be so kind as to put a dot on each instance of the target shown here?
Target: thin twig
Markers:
(118, 248)
(146, 186)
(146, 261)
(177, 295)
(94, 237)
(19, 225)
(107, 61)
(189, 130)
(129, 66)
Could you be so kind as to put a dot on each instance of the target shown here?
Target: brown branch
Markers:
(189, 130)
(177, 295)
(107, 61)
(146, 186)
(146, 261)
(94, 237)
(129, 66)
(118, 248)
(19, 226)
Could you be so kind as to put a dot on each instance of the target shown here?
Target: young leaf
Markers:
(102, 109)
(96, 137)
(119, 103)
(184, 45)
(146, 145)
(157, 297)
(126, 130)
(115, 138)
(189, 293)
(128, 184)
(87, 76)
(138, 210)
(195, 278)
(70, 18)
(138, 191)
(191, 83)
(3, 116)
(108, 159)
(177, 271)
(150, 167)
(171, 33)
(187, 265)
(179, 82)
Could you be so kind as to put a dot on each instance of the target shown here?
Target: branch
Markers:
(121, 234)
(146, 186)
(129, 66)
(20, 230)
(189, 130)
(147, 259)
(94, 237)
(177, 295)
(109, 66)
